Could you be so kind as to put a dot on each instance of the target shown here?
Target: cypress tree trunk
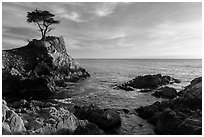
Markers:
(44, 34)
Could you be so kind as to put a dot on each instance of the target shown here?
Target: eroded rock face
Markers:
(147, 82)
(182, 115)
(39, 68)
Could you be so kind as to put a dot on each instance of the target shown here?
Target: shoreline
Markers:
(127, 116)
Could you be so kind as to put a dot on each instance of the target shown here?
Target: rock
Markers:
(18, 104)
(51, 120)
(6, 129)
(140, 125)
(34, 125)
(37, 69)
(190, 127)
(193, 122)
(195, 81)
(154, 118)
(125, 110)
(4, 110)
(47, 120)
(110, 120)
(180, 116)
(169, 123)
(66, 122)
(60, 83)
(166, 92)
(87, 128)
(16, 124)
(147, 82)
(166, 122)
(107, 120)
(176, 80)
(148, 111)
(12, 122)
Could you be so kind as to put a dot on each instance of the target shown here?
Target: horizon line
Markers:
(144, 58)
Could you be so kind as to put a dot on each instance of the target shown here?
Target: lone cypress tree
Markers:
(44, 20)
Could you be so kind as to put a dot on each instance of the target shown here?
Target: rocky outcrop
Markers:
(182, 115)
(165, 92)
(40, 118)
(39, 68)
(147, 82)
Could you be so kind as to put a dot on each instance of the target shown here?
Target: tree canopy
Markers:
(44, 20)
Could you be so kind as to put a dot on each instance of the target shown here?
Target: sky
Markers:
(111, 29)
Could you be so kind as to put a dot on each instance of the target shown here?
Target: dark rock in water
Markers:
(148, 82)
(38, 68)
(107, 120)
(181, 115)
(165, 92)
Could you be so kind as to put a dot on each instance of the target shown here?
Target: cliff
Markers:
(39, 67)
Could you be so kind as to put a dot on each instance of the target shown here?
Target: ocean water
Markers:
(106, 72)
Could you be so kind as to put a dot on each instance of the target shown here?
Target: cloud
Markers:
(174, 32)
(105, 9)
(72, 16)
(64, 13)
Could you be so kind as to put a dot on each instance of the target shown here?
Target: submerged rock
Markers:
(38, 68)
(182, 115)
(147, 82)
